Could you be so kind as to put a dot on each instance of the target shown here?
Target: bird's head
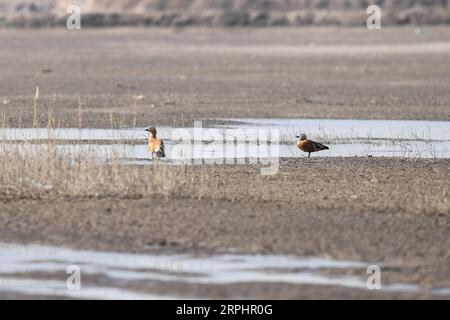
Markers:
(301, 136)
(152, 130)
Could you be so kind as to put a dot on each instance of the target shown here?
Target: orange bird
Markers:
(155, 145)
(308, 145)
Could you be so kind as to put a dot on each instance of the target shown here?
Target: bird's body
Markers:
(155, 145)
(309, 146)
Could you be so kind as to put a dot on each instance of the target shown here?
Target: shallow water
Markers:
(119, 271)
(355, 129)
(247, 138)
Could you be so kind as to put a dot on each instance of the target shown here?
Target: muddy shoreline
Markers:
(122, 77)
(394, 211)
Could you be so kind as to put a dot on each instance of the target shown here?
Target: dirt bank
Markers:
(374, 210)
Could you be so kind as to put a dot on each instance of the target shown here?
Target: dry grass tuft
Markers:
(30, 171)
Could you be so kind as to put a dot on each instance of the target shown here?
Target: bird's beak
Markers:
(147, 130)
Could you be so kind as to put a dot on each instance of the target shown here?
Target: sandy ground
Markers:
(374, 210)
(214, 73)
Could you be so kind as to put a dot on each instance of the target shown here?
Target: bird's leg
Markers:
(309, 155)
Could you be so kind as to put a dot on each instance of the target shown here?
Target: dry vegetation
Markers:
(45, 173)
(367, 184)
(42, 169)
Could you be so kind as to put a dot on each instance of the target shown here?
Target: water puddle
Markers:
(41, 271)
(351, 129)
(244, 139)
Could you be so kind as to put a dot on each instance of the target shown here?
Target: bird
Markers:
(155, 145)
(308, 145)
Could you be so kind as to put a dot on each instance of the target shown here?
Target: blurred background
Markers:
(29, 13)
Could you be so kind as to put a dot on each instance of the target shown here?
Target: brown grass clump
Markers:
(39, 171)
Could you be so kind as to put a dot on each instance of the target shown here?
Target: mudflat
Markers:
(120, 77)
(390, 211)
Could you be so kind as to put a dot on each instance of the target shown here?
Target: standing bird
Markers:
(155, 145)
(308, 145)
